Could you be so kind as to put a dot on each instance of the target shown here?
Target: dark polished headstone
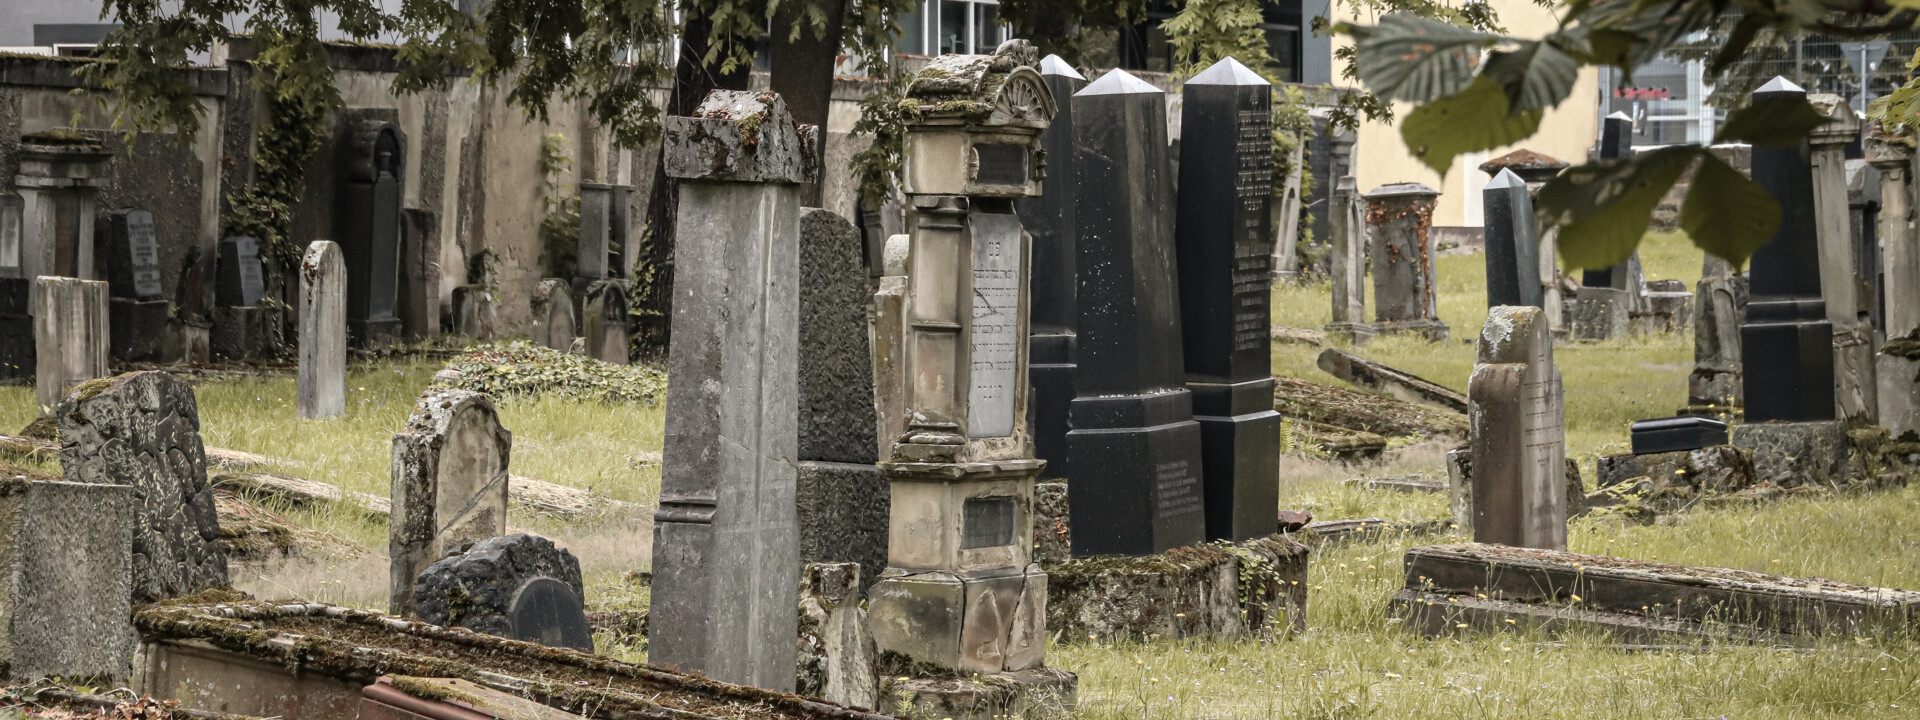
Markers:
(1676, 434)
(241, 283)
(1616, 141)
(1049, 218)
(1513, 253)
(547, 612)
(1225, 244)
(132, 254)
(1786, 342)
(1135, 447)
(367, 227)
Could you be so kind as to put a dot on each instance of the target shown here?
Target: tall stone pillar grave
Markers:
(1518, 416)
(1853, 385)
(1348, 264)
(70, 336)
(1536, 170)
(1604, 305)
(726, 540)
(1896, 368)
(449, 485)
(323, 332)
(1513, 268)
(367, 225)
(1052, 220)
(1224, 241)
(1405, 299)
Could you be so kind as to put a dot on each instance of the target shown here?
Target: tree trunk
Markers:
(653, 276)
(803, 74)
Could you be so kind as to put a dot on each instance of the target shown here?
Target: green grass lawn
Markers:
(1353, 662)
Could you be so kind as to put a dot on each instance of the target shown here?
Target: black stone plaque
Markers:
(986, 522)
(1225, 240)
(1513, 255)
(1134, 446)
(546, 611)
(1676, 434)
(1001, 164)
(1786, 342)
(1049, 218)
(241, 283)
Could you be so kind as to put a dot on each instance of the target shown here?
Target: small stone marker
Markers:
(1225, 248)
(1513, 266)
(726, 549)
(519, 586)
(1517, 412)
(69, 574)
(70, 336)
(605, 314)
(1134, 440)
(553, 323)
(242, 330)
(1404, 296)
(449, 485)
(1051, 220)
(1720, 303)
(1349, 264)
(1676, 434)
(143, 429)
(323, 332)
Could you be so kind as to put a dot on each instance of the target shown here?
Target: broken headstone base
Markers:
(1038, 694)
(991, 622)
(1796, 454)
(1440, 615)
(1430, 330)
(1661, 483)
(1351, 333)
(1216, 591)
(1599, 314)
(138, 329)
(836, 647)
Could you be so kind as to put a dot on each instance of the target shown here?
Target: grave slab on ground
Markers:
(1369, 375)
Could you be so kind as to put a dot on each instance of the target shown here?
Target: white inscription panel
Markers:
(996, 336)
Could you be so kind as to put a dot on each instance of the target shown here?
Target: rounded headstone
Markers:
(492, 588)
(547, 612)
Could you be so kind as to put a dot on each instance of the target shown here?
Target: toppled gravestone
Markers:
(1386, 380)
(1364, 412)
(1660, 483)
(517, 586)
(143, 429)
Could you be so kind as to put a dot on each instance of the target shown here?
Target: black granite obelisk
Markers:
(1513, 251)
(367, 226)
(1134, 445)
(1616, 141)
(1787, 342)
(1224, 234)
(1050, 220)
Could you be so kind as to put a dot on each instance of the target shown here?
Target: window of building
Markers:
(938, 27)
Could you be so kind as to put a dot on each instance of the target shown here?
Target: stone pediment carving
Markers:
(1002, 89)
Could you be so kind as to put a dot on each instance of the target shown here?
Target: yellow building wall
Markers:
(1566, 132)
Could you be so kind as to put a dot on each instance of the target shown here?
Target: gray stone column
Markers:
(323, 332)
(1404, 297)
(1854, 392)
(1897, 367)
(1348, 264)
(726, 549)
(1518, 413)
(70, 336)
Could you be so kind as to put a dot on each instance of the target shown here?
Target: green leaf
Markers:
(1602, 207)
(1726, 214)
(1473, 120)
(1415, 59)
(1534, 77)
(1774, 121)
(1736, 44)
(1628, 34)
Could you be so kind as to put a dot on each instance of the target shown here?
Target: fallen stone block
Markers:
(1364, 412)
(1369, 375)
(1797, 453)
(1037, 694)
(1325, 533)
(1250, 588)
(1635, 600)
(1409, 484)
(1337, 442)
(1673, 481)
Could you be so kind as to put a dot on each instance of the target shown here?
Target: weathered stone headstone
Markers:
(137, 311)
(68, 564)
(553, 324)
(517, 586)
(889, 352)
(1897, 375)
(1518, 416)
(1136, 448)
(1786, 343)
(241, 328)
(1405, 299)
(143, 429)
(842, 495)
(367, 226)
(241, 282)
(1224, 246)
(419, 289)
(1513, 268)
(1720, 305)
(1050, 219)
(1854, 392)
(604, 321)
(1348, 264)
(449, 485)
(726, 550)
(596, 222)
(474, 314)
(323, 332)
(836, 648)
(70, 336)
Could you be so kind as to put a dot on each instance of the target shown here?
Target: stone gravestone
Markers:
(242, 330)
(1513, 268)
(1348, 264)
(726, 549)
(1855, 396)
(1517, 412)
(1225, 247)
(596, 221)
(1136, 448)
(367, 224)
(67, 601)
(889, 356)
(1537, 170)
(604, 311)
(143, 429)
(961, 594)
(1720, 305)
(1605, 303)
(1405, 299)
(419, 289)
(1897, 367)
(553, 324)
(70, 336)
(841, 495)
(449, 485)
(1786, 343)
(1050, 219)
(517, 586)
(323, 332)
(138, 309)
